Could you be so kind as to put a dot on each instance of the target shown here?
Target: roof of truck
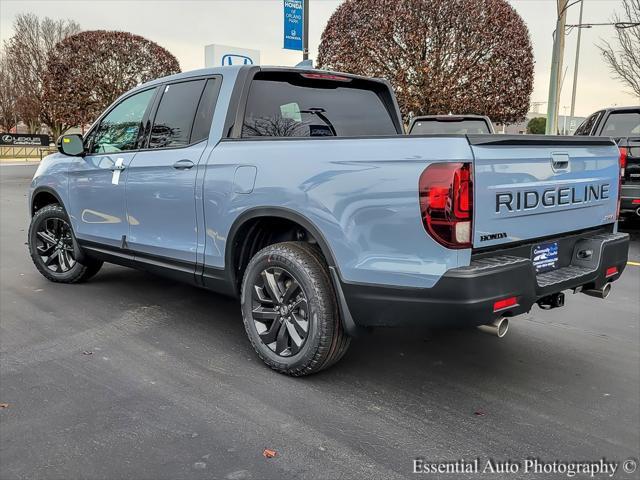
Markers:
(620, 109)
(234, 69)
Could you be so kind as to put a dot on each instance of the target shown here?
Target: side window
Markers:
(586, 126)
(204, 115)
(120, 128)
(175, 116)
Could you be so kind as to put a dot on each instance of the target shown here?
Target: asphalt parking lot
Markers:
(134, 376)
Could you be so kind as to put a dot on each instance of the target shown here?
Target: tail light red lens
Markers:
(622, 161)
(505, 303)
(611, 271)
(326, 76)
(624, 152)
(446, 203)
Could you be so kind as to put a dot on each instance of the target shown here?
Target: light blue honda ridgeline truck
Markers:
(297, 191)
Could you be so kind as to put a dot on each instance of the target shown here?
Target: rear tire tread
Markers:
(333, 340)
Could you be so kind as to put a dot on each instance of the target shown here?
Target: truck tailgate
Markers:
(532, 186)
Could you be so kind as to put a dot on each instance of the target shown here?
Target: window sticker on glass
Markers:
(291, 111)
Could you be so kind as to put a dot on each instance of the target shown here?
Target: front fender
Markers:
(51, 177)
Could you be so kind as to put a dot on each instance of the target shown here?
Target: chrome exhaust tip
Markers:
(498, 327)
(638, 211)
(599, 292)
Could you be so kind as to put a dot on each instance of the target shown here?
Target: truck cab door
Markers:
(161, 180)
(97, 180)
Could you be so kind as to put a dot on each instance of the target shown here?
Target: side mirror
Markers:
(71, 145)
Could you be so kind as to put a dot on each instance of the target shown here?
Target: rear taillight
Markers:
(624, 152)
(446, 203)
(611, 271)
(622, 162)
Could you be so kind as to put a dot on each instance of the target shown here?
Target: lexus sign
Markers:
(24, 140)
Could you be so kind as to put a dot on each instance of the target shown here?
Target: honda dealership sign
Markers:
(224, 55)
(24, 140)
(293, 24)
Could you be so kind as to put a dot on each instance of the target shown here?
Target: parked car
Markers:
(623, 125)
(431, 124)
(296, 191)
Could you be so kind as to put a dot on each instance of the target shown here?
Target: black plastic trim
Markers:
(238, 102)
(217, 280)
(168, 267)
(465, 296)
(44, 189)
(537, 140)
(348, 323)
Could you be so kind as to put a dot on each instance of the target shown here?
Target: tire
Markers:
(312, 303)
(53, 247)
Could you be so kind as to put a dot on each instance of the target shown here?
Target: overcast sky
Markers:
(185, 26)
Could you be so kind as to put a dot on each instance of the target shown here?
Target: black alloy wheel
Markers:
(54, 245)
(280, 311)
(54, 250)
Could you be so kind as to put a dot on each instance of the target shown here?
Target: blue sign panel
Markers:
(293, 24)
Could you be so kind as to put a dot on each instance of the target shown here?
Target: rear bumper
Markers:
(465, 296)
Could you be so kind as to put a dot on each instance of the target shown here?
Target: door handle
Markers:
(183, 164)
(559, 161)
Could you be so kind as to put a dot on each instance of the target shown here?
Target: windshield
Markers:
(434, 125)
(622, 124)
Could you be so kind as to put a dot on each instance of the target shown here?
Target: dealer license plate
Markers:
(545, 256)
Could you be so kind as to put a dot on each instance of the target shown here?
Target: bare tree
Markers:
(624, 58)
(86, 72)
(27, 51)
(8, 107)
(441, 56)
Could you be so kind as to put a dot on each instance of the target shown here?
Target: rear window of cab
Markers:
(291, 104)
(622, 124)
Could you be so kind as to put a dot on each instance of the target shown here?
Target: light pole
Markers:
(305, 29)
(580, 26)
(575, 67)
(556, 68)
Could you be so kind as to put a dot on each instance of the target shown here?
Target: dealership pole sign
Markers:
(24, 140)
(293, 24)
